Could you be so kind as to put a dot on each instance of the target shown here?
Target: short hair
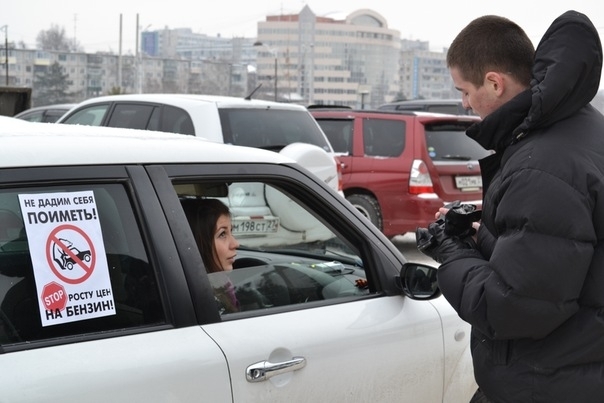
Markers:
(492, 43)
(203, 214)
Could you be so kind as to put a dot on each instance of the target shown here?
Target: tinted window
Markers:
(270, 128)
(89, 116)
(383, 138)
(171, 119)
(339, 133)
(448, 142)
(132, 116)
(72, 261)
(52, 115)
(33, 116)
(287, 255)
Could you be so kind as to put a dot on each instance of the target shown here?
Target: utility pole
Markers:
(273, 52)
(5, 27)
(119, 59)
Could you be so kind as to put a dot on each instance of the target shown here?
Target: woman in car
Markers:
(210, 221)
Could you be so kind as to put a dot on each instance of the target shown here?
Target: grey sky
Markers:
(96, 25)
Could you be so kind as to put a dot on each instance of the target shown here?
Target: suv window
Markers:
(340, 133)
(92, 116)
(448, 142)
(270, 128)
(72, 261)
(169, 118)
(133, 116)
(383, 138)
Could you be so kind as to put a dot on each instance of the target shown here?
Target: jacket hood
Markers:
(567, 69)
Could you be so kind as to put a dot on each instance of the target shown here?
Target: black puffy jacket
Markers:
(535, 299)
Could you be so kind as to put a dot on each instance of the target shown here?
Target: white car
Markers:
(286, 128)
(104, 296)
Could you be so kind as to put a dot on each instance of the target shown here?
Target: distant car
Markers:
(398, 168)
(45, 114)
(339, 316)
(284, 128)
(449, 106)
(280, 127)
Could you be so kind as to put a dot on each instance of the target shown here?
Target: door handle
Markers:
(263, 370)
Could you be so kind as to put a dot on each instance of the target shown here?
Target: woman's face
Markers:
(225, 244)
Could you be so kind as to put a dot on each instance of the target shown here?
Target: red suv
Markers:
(398, 168)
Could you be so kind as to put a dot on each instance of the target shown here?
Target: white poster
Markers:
(68, 256)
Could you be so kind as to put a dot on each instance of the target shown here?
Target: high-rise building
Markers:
(329, 61)
(354, 60)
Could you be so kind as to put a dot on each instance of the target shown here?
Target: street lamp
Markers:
(274, 53)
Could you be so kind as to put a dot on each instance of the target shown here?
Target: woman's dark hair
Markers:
(203, 214)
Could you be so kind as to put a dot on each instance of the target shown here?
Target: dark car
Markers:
(398, 168)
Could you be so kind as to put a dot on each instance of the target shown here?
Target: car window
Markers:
(33, 116)
(287, 254)
(72, 262)
(90, 116)
(52, 115)
(171, 119)
(339, 132)
(270, 128)
(447, 142)
(383, 137)
(130, 115)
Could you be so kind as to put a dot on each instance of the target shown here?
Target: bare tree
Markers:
(56, 39)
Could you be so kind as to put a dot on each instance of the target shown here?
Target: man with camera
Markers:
(530, 281)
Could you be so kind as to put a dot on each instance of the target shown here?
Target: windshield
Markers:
(270, 129)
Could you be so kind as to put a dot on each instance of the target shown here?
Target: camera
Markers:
(458, 220)
(456, 223)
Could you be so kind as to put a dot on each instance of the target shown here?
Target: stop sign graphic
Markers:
(54, 296)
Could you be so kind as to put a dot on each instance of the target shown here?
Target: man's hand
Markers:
(452, 231)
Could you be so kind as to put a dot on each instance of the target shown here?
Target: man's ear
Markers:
(495, 82)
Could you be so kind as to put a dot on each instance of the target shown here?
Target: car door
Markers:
(93, 306)
(320, 317)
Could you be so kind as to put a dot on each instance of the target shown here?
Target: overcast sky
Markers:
(96, 24)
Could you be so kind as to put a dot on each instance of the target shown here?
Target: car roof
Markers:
(27, 144)
(452, 101)
(183, 100)
(350, 113)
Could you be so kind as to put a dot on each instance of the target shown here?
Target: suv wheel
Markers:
(369, 207)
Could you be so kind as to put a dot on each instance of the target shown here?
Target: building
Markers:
(355, 60)
(319, 60)
(424, 74)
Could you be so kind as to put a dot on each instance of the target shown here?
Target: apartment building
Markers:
(320, 60)
(355, 60)
(424, 73)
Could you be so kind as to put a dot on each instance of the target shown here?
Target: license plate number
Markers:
(463, 182)
(242, 226)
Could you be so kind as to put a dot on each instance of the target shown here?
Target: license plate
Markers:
(463, 182)
(250, 225)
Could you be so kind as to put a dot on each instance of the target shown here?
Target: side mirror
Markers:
(418, 281)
